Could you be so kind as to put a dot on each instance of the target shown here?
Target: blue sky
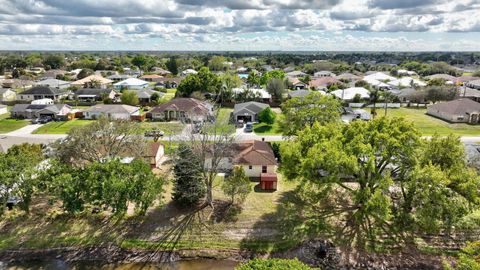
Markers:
(311, 25)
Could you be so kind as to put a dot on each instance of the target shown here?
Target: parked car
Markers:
(249, 127)
(44, 120)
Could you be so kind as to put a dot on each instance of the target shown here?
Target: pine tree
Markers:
(189, 187)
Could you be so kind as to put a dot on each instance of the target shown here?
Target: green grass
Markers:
(62, 127)
(170, 94)
(265, 129)
(9, 125)
(223, 123)
(45, 228)
(169, 128)
(429, 125)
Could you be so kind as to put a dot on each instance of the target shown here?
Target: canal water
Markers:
(182, 265)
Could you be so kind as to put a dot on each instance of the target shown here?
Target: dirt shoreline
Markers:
(109, 254)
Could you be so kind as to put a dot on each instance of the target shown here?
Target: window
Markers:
(250, 167)
(264, 169)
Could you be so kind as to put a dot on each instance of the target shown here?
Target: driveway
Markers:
(24, 135)
(27, 130)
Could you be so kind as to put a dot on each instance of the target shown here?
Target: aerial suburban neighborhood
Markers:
(244, 135)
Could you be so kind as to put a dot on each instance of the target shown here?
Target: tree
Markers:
(237, 185)
(267, 116)
(188, 187)
(204, 82)
(253, 79)
(440, 93)
(468, 258)
(17, 173)
(84, 73)
(129, 98)
(274, 264)
(367, 179)
(276, 87)
(301, 112)
(267, 76)
(100, 140)
(54, 61)
(217, 63)
(172, 65)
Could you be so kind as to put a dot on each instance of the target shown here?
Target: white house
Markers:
(54, 83)
(253, 93)
(379, 76)
(131, 83)
(7, 94)
(406, 82)
(189, 71)
(113, 111)
(350, 93)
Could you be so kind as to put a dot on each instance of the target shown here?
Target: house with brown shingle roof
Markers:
(183, 109)
(457, 111)
(258, 161)
(323, 83)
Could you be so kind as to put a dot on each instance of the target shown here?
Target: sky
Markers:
(247, 25)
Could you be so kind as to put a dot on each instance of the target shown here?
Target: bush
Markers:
(274, 264)
(267, 116)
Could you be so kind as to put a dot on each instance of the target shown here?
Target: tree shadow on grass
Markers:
(262, 128)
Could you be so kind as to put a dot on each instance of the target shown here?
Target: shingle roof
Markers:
(457, 107)
(254, 153)
(252, 106)
(299, 93)
(112, 108)
(183, 104)
(92, 91)
(37, 107)
(43, 90)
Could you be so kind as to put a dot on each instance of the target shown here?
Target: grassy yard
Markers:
(252, 227)
(265, 129)
(222, 123)
(170, 94)
(61, 127)
(9, 125)
(429, 125)
(169, 128)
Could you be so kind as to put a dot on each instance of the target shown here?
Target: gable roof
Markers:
(254, 153)
(132, 82)
(457, 107)
(37, 107)
(349, 93)
(91, 78)
(92, 91)
(112, 108)
(251, 106)
(43, 90)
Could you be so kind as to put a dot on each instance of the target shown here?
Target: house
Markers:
(348, 77)
(168, 83)
(131, 84)
(54, 83)
(3, 109)
(296, 74)
(189, 71)
(29, 111)
(248, 111)
(301, 93)
(155, 156)
(323, 73)
(160, 71)
(406, 82)
(466, 92)
(112, 111)
(52, 74)
(145, 95)
(183, 109)
(258, 162)
(134, 73)
(93, 94)
(43, 101)
(41, 92)
(296, 83)
(379, 76)
(475, 84)
(350, 93)
(253, 93)
(7, 94)
(92, 81)
(17, 83)
(118, 77)
(323, 83)
(151, 77)
(457, 111)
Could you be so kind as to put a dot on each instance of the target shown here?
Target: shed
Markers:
(268, 181)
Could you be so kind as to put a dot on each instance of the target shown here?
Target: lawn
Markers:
(9, 125)
(429, 125)
(227, 228)
(61, 127)
(223, 122)
(265, 129)
(169, 128)
(170, 94)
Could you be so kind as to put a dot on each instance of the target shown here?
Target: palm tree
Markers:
(374, 94)
(387, 97)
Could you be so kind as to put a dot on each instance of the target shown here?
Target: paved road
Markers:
(24, 135)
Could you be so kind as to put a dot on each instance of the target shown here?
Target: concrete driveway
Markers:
(27, 130)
